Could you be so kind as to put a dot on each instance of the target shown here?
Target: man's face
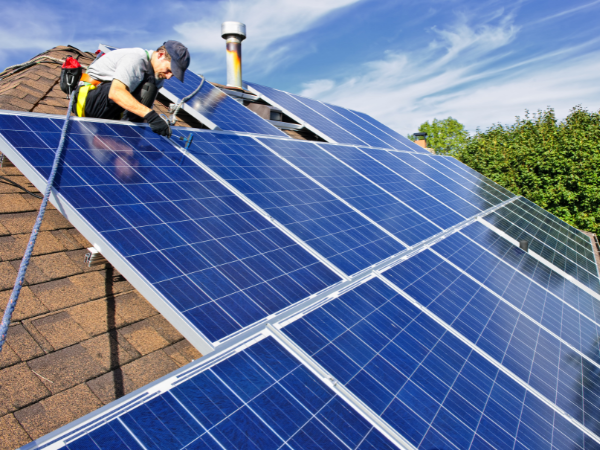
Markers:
(162, 67)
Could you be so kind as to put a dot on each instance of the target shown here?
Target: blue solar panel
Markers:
(423, 381)
(342, 122)
(333, 229)
(337, 124)
(211, 103)
(521, 272)
(467, 172)
(563, 227)
(259, 398)
(322, 126)
(546, 363)
(402, 139)
(483, 187)
(396, 217)
(561, 253)
(389, 140)
(409, 183)
(555, 233)
(208, 255)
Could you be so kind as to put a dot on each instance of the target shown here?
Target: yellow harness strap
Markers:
(82, 98)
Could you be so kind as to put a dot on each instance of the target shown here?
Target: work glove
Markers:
(158, 124)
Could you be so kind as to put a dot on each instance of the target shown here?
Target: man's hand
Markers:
(158, 124)
(119, 93)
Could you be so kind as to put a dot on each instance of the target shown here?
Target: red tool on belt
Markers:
(70, 75)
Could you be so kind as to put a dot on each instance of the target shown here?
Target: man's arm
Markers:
(119, 93)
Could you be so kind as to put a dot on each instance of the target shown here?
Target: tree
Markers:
(446, 136)
(554, 164)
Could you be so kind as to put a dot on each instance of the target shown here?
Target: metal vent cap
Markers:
(236, 28)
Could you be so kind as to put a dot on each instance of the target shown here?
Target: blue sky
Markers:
(404, 62)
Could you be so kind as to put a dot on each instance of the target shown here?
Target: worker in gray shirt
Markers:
(124, 84)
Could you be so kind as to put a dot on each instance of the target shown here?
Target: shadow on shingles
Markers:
(112, 332)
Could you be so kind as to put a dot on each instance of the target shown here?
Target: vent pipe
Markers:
(421, 139)
(234, 33)
(524, 245)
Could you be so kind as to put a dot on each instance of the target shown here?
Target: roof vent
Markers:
(234, 33)
(524, 245)
(421, 139)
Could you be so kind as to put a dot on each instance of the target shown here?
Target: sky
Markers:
(403, 62)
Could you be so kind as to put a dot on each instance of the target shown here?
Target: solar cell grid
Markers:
(466, 171)
(517, 276)
(538, 272)
(472, 193)
(402, 139)
(427, 384)
(211, 257)
(554, 237)
(218, 107)
(342, 122)
(389, 140)
(425, 201)
(564, 227)
(393, 161)
(364, 195)
(480, 186)
(561, 230)
(260, 398)
(534, 355)
(322, 126)
(558, 254)
(323, 222)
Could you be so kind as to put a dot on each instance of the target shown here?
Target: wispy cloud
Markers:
(462, 73)
(565, 12)
(269, 23)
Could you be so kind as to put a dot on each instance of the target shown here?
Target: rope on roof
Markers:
(12, 302)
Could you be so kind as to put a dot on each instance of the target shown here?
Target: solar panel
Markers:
(348, 240)
(402, 139)
(314, 121)
(404, 222)
(459, 340)
(521, 280)
(256, 396)
(208, 261)
(556, 248)
(422, 378)
(213, 107)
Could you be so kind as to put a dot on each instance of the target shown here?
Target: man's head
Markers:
(171, 59)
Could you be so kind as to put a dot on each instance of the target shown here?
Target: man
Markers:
(128, 80)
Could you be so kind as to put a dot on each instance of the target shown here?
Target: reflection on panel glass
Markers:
(218, 107)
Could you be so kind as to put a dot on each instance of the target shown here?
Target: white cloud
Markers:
(460, 74)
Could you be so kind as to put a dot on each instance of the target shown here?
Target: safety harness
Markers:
(86, 85)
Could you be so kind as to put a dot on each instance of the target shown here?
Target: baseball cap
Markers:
(180, 58)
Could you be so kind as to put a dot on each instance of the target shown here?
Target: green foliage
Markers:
(446, 136)
(554, 164)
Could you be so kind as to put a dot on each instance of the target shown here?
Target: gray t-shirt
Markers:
(128, 65)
